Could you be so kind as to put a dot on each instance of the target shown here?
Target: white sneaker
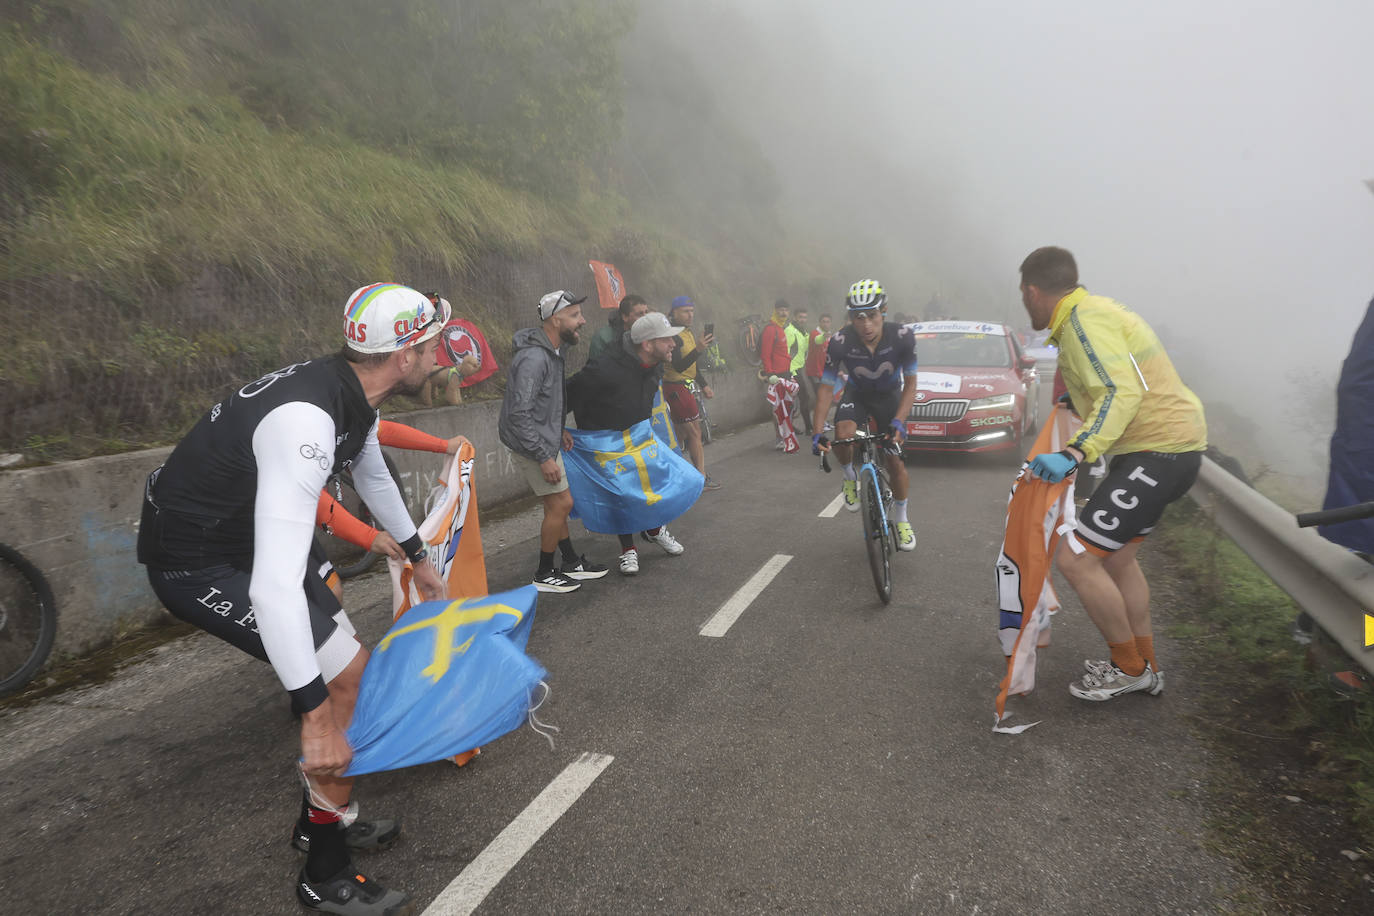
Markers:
(1101, 666)
(1112, 682)
(629, 562)
(665, 540)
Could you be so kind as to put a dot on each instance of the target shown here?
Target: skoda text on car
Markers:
(977, 389)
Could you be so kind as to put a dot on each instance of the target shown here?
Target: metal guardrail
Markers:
(1329, 582)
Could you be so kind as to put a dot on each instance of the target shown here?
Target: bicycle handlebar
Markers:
(1335, 516)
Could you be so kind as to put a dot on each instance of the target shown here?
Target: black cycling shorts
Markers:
(1131, 498)
(215, 599)
(861, 406)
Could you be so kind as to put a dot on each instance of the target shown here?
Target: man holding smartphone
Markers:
(680, 376)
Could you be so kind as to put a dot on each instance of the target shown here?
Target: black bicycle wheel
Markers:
(875, 537)
(28, 620)
(705, 418)
(751, 343)
(350, 560)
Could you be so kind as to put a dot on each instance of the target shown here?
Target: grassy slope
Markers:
(1278, 727)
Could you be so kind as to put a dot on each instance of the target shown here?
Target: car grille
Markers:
(946, 410)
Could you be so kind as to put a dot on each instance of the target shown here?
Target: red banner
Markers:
(610, 286)
(460, 338)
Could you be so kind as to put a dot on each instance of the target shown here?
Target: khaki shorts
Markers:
(535, 476)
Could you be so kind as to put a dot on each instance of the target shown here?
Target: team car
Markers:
(977, 389)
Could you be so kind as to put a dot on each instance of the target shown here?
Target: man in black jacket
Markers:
(616, 390)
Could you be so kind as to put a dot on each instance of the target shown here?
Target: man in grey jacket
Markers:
(531, 426)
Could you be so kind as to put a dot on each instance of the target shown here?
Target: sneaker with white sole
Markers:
(585, 569)
(629, 562)
(851, 495)
(351, 894)
(555, 581)
(710, 484)
(906, 536)
(1112, 682)
(665, 540)
(1100, 667)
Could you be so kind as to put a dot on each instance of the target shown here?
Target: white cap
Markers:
(554, 302)
(386, 317)
(652, 326)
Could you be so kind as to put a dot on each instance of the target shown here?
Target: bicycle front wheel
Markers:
(28, 620)
(875, 534)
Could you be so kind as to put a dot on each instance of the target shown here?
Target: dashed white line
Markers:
(729, 612)
(467, 891)
(833, 509)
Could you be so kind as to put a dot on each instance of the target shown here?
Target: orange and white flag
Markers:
(1039, 513)
(453, 535)
(610, 286)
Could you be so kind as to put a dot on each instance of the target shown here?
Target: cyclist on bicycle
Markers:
(880, 358)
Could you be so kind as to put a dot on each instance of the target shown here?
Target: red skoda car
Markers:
(978, 390)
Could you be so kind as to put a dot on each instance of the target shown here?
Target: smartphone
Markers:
(710, 328)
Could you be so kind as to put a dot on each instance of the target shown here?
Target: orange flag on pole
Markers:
(610, 286)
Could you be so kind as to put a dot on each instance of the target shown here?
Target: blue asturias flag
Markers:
(628, 481)
(448, 676)
(662, 421)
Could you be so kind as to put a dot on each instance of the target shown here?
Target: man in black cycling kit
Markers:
(227, 526)
(880, 358)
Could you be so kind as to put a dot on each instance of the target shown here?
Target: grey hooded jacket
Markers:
(531, 422)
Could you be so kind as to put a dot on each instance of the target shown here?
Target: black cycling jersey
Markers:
(881, 370)
(239, 495)
(204, 494)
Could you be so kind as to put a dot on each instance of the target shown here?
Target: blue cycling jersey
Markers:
(881, 370)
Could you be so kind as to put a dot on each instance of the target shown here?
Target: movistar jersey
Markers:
(1121, 381)
(881, 370)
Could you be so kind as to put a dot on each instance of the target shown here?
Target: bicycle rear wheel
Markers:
(705, 418)
(28, 620)
(751, 344)
(876, 535)
(350, 560)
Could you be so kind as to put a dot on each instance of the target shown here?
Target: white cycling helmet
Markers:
(865, 295)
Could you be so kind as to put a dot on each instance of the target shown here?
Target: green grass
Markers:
(1270, 707)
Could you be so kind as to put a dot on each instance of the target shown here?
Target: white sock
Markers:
(848, 471)
(899, 510)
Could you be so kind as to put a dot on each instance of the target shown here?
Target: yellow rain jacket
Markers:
(1121, 381)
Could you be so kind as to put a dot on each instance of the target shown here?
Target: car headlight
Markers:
(998, 401)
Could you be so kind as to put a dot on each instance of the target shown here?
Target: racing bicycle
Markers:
(751, 340)
(701, 409)
(875, 506)
(28, 620)
(349, 559)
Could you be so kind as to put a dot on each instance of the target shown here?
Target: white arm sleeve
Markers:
(374, 484)
(294, 447)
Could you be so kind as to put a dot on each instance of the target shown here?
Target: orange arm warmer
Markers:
(398, 435)
(331, 515)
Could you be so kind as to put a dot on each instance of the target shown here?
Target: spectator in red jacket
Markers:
(777, 358)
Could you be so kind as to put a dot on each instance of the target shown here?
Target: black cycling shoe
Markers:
(359, 835)
(351, 894)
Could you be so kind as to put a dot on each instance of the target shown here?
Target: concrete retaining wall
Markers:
(78, 521)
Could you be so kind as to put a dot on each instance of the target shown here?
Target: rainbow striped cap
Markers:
(386, 317)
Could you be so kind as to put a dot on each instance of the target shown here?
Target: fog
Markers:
(1205, 161)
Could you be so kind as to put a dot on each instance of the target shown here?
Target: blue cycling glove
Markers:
(1053, 466)
(817, 441)
(898, 427)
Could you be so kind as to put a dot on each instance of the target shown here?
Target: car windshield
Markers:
(982, 351)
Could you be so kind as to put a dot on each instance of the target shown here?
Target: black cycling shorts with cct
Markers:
(1132, 497)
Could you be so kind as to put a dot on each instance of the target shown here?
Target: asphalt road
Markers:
(826, 755)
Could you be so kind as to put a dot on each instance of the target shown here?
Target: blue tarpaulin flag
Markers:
(448, 676)
(627, 481)
(662, 421)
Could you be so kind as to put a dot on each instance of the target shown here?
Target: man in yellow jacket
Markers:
(1135, 407)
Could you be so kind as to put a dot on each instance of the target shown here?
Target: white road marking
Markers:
(729, 612)
(474, 883)
(833, 509)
